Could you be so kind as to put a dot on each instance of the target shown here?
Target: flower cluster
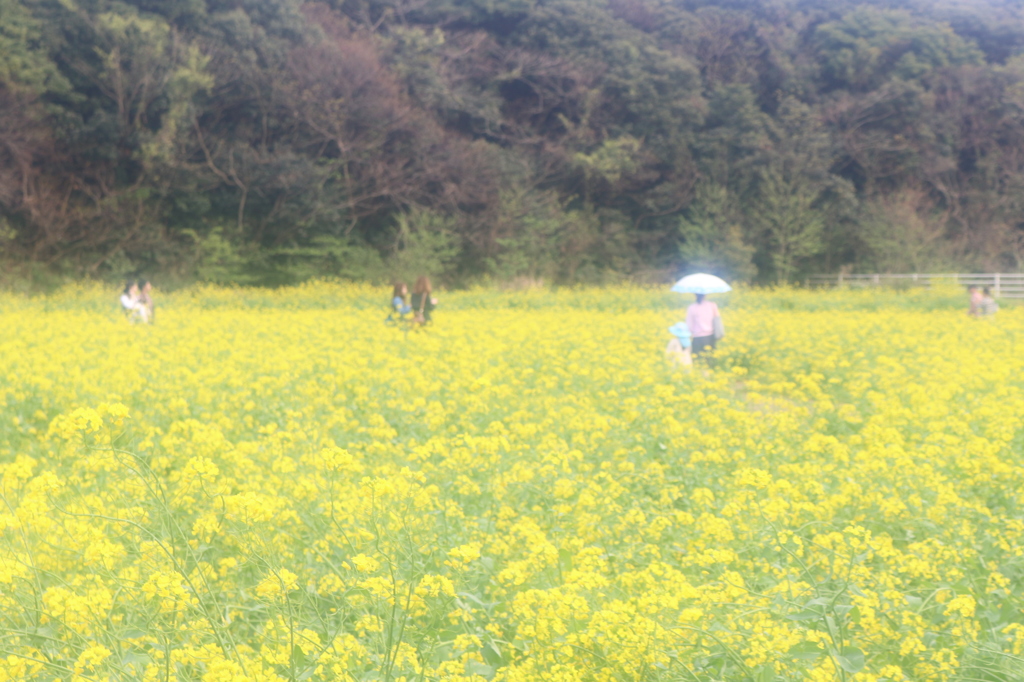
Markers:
(274, 485)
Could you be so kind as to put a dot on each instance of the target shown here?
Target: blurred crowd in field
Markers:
(703, 327)
(137, 301)
(414, 310)
(982, 303)
(691, 338)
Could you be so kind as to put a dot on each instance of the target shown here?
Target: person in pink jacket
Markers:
(700, 318)
(976, 296)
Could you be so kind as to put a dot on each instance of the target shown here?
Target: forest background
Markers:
(269, 141)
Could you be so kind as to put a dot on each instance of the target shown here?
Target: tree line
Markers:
(268, 141)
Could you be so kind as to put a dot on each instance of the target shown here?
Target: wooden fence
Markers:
(1003, 285)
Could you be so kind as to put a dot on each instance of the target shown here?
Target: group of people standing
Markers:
(703, 326)
(421, 304)
(137, 301)
(697, 335)
(982, 303)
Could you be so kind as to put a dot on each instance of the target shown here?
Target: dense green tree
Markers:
(870, 46)
(565, 140)
(906, 232)
(712, 235)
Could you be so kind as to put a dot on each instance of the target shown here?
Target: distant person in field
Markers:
(399, 308)
(988, 305)
(976, 296)
(146, 300)
(423, 302)
(131, 303)
(700, 318)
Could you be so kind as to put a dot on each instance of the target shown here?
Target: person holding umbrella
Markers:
(703, 317)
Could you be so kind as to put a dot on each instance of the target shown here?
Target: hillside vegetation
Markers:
(267, 141)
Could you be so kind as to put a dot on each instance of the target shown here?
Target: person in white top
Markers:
(988, 306)
(131, 303)
(700, 318)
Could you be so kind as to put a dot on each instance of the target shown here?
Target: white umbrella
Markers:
(701, 283)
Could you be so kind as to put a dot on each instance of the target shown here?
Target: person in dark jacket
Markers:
(423, 302)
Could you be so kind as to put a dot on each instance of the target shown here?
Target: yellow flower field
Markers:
(275, 485)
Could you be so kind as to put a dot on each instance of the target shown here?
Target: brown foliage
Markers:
(356, 114)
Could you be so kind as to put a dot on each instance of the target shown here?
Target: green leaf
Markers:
(491, 653)
(482, 669)
(135, 658)
(806, 651)
(851, 659)
(805, 615)
(766, 674)
(477, 600)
